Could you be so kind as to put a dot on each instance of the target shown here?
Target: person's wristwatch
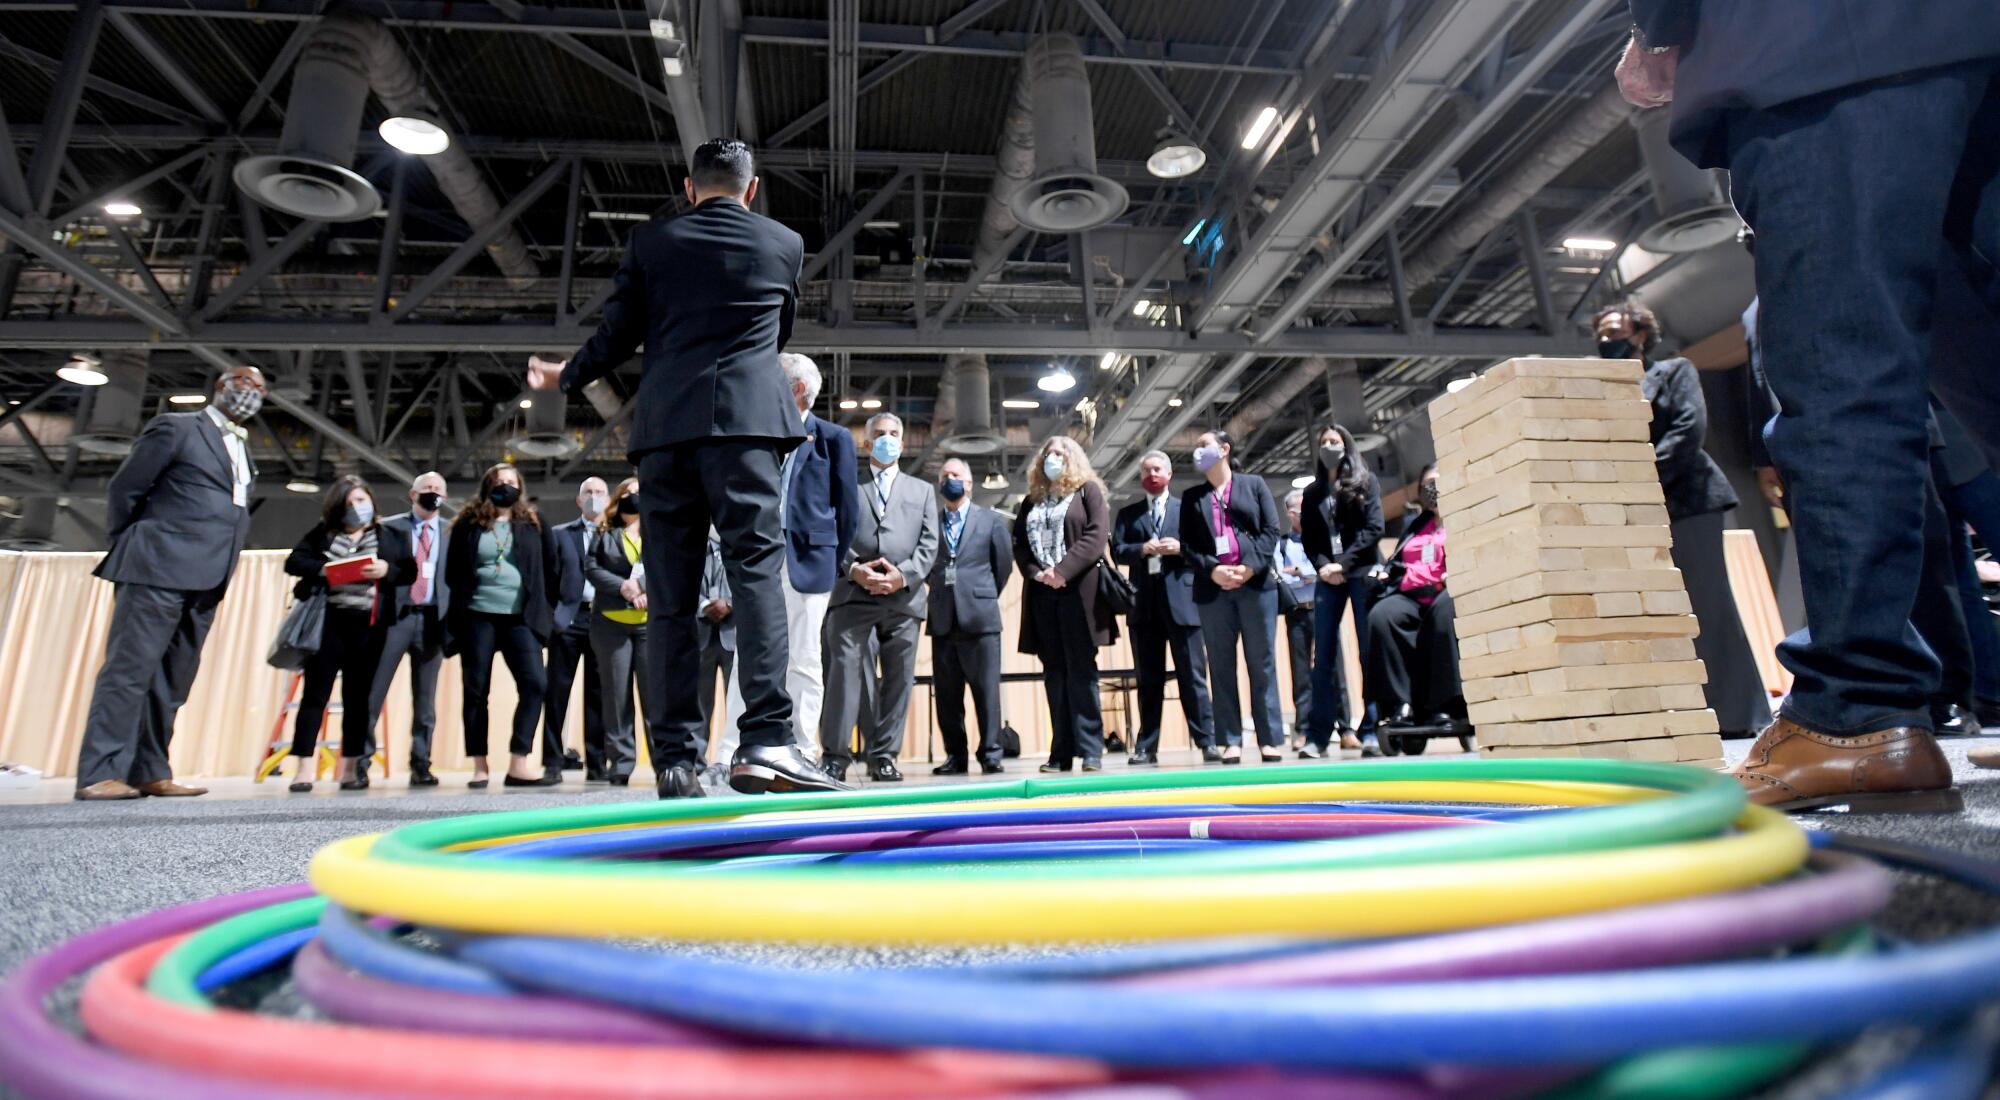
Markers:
(1639, 42)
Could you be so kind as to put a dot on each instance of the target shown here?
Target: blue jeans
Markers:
(1329, 675)
(1249, 614)
(1857, 196)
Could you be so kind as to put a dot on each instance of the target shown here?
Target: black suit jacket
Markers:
(532, 555)
(441, 600)
(607, 570)
(1694, 485)
(1254, 513)
(711, 294)
(1741, 55)
(1167, 596)
(1322, 514)
(985, 562)
(171, 513)
(571, 587)
(307, 562)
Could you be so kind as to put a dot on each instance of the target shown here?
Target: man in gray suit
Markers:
(417, 626)
(717, 627)
(879, 596)
(975, 558)
(178, 512)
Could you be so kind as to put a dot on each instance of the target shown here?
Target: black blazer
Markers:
(307, 561)
(985, 562)
(1086, 533)
(1694, 485)
(532, 555)
(607, 570)
(567, 542)
(1167, 596)
(1751, 54)
(1322, 514)
(711, 294)
(171, 513)
(1255, 515)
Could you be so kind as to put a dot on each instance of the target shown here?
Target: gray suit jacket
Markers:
(441, 598)
(985, 562)
(172, 517)
(904, 531)
(715, 586)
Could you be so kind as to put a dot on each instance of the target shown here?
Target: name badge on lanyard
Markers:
(1153, 565)
(950, 573)
(1429, 553)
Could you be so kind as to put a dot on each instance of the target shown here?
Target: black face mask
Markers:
(1427, 495)
(503, 496)
(1617, 349)
(430, 502)
(628, 506)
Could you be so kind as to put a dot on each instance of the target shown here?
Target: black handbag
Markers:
(1113, 589)
(298, 634)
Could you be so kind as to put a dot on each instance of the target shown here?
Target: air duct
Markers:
(32, 526)
(1276, 396)
(312, 175)
(117, 408)
(1066, 194)
(325, 111)
(971, 427)
(1694, 208)
(543, 435)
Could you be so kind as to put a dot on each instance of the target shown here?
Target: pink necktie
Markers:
(420, 589)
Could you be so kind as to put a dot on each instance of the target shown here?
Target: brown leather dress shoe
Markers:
(1898, 770)
(167, 788)
(1986, 756)
(106, 790)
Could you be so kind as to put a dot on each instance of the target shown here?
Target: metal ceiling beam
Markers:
(903, 37)
(35, 236)
(164, 64)
(439, 14)
(98, 84)
(280, 65)
(360, 448)
(137, 183)
(250, 277)
(13, 185)
(1146, 76)
(64, 99)
(847, 233)
(477, 243)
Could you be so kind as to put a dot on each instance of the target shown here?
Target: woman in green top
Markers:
(618, 628)
(498, 572)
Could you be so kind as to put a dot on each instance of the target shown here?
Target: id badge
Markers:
(1153, 566)
(241, 495)
(427, 570)
(1430, 553)
(951, 573)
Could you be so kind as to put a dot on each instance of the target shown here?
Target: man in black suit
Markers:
(975, 558)
(711, 294)
(417, 626)
(571, 642)
(1146, 540)
(178, 510)
(1859, 141)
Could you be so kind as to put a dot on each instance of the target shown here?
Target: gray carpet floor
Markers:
(67, 867)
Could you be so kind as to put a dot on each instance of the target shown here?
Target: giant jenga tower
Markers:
(1574, 631)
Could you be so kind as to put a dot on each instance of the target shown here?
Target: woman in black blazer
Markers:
(1060, 534)
(1229, 534)
(618, 619)
(499, 568)
(357, 619)
(1342, 520)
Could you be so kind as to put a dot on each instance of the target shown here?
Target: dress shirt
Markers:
(235, 440)
(1227, 552)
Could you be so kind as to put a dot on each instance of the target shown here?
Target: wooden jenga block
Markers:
(1522, 751)
(1628, 371)
(1635, 583)
(1659, 750)
(1666, 602)
(1713, 764)
(1573, 654)
(1519, 530)
(1489, 435)
(1513, 491)
(1603, 605)
(1586, 704)
(1578, 678)
(1624, 628)
(1628, 457)
(1612, 727)
(1489, 564)
(1698, 746)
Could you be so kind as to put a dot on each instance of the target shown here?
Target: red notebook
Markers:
(347, 570)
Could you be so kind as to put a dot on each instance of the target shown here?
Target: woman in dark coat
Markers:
(1060, 533)
(1229, 534)
(358, 614)
(1698, 495)
(499, 570)
(1342, 520)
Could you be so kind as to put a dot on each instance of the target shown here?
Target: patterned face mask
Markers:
(1427, 494)
(239, 403)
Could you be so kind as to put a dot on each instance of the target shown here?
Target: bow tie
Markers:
(235, 429)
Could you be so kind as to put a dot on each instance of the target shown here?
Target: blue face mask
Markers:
(1205, 458)
(359, 515)
(952, 487)
(886, 450)
(1052, 467)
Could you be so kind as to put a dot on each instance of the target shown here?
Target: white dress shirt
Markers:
(235, 442)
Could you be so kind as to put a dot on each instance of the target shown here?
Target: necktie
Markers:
(882, 488)
(954, 527)
(420, 589)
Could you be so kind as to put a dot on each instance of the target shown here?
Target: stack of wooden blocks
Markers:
(1574, 631)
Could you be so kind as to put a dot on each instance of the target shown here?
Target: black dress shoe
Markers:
(1052, 766)
(1093, 765)
(1211, 755)
(1986, 710)
(300, 786)
(358, 783)
(619, 780)
(1404, 716)
(1952, 720)
(538, 781)
(953, 765)
(834, 769)
(681, 781)
(419, 776)
(780, 768)
(991, 767)
(1142, 759)
(884, 771)
(572, 760)
(595, 775)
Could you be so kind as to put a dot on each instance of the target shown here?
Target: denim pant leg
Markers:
(1329, 671)
(1363, 594)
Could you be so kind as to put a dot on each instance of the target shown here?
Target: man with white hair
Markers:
(818, 505)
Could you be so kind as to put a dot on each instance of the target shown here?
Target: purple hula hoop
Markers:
(1219, 828)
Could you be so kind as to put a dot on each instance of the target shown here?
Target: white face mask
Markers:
(594, 504)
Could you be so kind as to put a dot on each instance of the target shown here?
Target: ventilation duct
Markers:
(32, 526)
(542, 433)
(312, 175)
(117, 408)
(1276, 396)
(971, 427)
(1066, 194)
(1694, 209)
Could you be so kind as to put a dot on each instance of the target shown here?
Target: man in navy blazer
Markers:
(1146, 539)
(1858, 135)
(974, 561)
(820, 504)
(570, 643)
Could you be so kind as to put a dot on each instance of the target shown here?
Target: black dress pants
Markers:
(151, 655)
(1068, 650)
(570, 646)
(510, 637)
(958, 662)
(350, 647)
(1413, 657)
(1152, 641)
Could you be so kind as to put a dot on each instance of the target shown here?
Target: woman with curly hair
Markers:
(1060, 534)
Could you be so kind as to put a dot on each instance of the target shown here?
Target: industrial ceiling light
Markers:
(994, 481)
(527, 402)
(120, 208)
(1173, 402)
(1108, 360)
(1302, 481)
(871, 402)
(1020, 403)
(83, 370)
(849, 403)
(1141, 307)
(1175, 155)
(1056, 381)
(1588, 244)
(415, 135)
(1260, 127)
(189, 399)
(302, 486)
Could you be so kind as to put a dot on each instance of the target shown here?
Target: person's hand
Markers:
(639, 602)
(861, 573)
(1647, 79)
(375, 570)
(632, 592)
(1051, 578)
(1224, 577)
(1151, 549)
(1169, 547)
(716, 611)
(544, 374)
(1332, 573)
(1989, 571)
(1772, 485)
(890, 581)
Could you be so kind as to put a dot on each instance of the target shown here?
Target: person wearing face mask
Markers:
(973, 564)
(618, 636)
(1342, 517)
(1060, 533)
(880, 595)
(1146, 539)
(1412, 666)
(572, 543)
(416, 627)
(1698, 496)
(358, 612)
(501, 572)
(1229, 532)
(177, 512)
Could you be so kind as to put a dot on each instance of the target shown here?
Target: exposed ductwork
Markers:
(1693, 205)
(1067, 194)
(117, 408)
(1295, 378)
(348, 54)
